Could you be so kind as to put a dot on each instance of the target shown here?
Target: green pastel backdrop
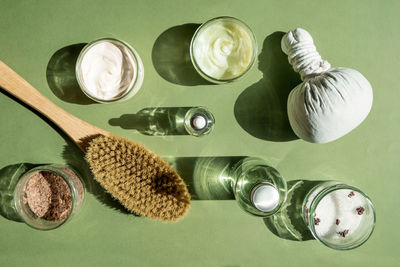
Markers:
(363, 35)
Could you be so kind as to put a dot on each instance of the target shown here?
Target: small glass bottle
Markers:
(48, 196)
(165, 121)
(259, 189)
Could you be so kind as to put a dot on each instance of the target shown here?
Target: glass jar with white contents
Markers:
(223, 49)
(109, 70)
(338, 215)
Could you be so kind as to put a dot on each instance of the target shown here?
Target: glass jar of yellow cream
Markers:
(223, 49)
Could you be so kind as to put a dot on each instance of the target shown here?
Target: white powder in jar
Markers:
(339, 214)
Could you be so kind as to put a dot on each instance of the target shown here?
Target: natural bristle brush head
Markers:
(141, 180)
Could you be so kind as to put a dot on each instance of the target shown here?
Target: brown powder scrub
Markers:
(48, 196)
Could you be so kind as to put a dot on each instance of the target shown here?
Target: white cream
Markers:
(108, 70)
(223, 49)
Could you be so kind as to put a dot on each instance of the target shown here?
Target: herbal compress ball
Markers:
(330, 102)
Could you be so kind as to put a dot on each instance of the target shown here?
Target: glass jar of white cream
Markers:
(223, 49)
(109, 70)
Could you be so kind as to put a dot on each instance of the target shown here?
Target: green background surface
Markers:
(363, 35)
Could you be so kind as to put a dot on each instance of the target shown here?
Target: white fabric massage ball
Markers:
(330, 102)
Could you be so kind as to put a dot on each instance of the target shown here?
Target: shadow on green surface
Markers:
(207, 178)
(171, 56)
(261, 108)
(154, 121)
(9, 177)
(61, 77)
(288, 223)
(75, 158)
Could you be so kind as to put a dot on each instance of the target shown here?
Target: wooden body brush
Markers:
(141, 180)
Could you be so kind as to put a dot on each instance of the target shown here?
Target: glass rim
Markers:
(83, 52)
(320, 195)
(48, 167)
(254, 49)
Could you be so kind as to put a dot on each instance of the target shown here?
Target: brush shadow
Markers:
(207, 178)
(61, 78)
(159, 121)
(261, 108)
(171, 56)
(75, 158)
(37, 113)
(9, 177)
(288, 223)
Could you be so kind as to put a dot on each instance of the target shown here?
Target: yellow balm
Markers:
(223, 49)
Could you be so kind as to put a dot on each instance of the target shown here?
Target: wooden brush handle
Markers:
(21, 89)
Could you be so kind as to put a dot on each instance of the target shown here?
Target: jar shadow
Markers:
(206, 177)
(154, 121)
(171, 56)
(288, 223)
(261, 109)
(60, 75)
(9, 177)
